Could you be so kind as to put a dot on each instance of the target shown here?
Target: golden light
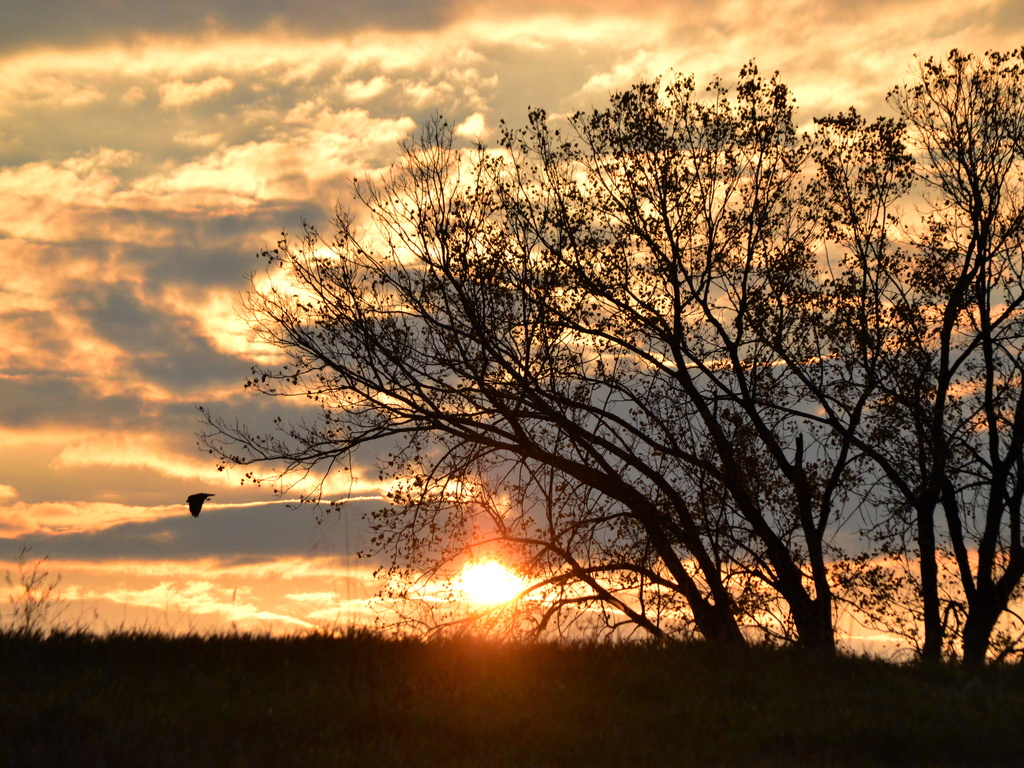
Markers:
(488, 582)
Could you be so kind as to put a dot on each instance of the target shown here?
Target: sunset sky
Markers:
(150, 148)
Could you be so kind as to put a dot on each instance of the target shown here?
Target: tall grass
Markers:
(361, 699)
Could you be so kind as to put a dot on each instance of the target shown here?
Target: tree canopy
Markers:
(687, 365)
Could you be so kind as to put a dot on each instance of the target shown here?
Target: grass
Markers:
(135, 699)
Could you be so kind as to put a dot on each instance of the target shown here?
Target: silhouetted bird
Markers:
(195, 502)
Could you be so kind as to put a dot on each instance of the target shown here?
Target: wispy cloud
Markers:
(284, 594)
(179, 93)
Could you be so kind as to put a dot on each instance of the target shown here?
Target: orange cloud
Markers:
(51, 202)
(280, 595)
(325, 146)
(22, 518)
(49, 450)
(364, 90)
(179, 93)
(196, 139)
(473, 127)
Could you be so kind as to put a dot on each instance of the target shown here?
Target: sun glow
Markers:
(488, 582)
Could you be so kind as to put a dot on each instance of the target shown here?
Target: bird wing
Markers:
(195, 503)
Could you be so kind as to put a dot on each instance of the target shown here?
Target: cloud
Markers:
(56, 22)
(254, 531)
(280, 594)
(196, 139)
(147, 153)
(473, 127)
(133, 95)
(220, 321)
(22, 518)
(51, 92)
(322, 145)
(138, 450)
(179, 93)
(62, 184)
(357, 91)
(55, 202)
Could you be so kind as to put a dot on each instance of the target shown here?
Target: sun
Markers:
(488, 582)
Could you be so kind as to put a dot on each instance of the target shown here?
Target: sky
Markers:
(149, 149)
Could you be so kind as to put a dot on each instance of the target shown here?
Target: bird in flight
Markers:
(195, 502)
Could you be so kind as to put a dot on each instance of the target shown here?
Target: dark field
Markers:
(365, 701)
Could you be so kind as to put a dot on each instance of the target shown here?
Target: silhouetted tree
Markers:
(678, 227)
(929, 311)
(575, 343)
(660, 355)
(948, 435)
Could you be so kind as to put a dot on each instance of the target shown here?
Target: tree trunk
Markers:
(982, 615)
(814, 625)
(931, 650)
(721, 628)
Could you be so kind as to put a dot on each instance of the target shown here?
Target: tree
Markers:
(958, 398)
(930, 313)
(574, 342)
(688, 248)
(660, 355)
